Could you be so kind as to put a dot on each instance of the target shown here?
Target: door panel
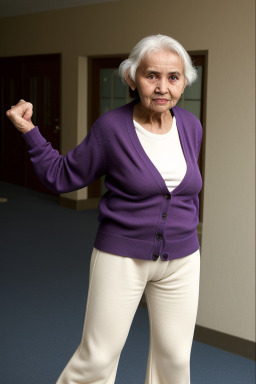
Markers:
(41, 87)
(36, 79)
(12, 146)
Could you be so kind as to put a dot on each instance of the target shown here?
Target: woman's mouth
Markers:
(160, 101)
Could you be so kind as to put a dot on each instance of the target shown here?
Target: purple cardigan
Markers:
(138, 216)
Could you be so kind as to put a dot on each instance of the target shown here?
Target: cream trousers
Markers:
(116, 286)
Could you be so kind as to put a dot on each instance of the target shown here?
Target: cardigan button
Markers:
(159, 236)
(167, 197)
(164, 216)
(155, 257)
(165, 256)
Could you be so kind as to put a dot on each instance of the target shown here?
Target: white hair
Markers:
(155, 43)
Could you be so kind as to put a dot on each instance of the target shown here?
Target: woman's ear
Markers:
(130, 82)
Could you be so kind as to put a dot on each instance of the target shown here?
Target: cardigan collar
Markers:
(144, 157)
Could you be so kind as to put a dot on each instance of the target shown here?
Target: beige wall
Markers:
(226, 29)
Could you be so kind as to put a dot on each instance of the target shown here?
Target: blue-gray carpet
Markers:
(45, 257)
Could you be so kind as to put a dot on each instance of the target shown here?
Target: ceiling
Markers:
(22, 7)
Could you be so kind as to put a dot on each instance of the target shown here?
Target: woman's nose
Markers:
(162, 86)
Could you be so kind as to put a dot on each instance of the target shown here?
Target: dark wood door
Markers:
(36, 79)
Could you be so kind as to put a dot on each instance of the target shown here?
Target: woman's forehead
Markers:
(162, 59)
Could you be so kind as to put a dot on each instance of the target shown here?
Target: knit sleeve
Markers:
(61, 174)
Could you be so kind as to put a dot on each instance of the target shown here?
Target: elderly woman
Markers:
(147, 236)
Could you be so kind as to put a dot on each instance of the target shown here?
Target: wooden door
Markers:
(36, 79)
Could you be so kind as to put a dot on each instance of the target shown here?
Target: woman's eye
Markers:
(151, 77)
(173, 78)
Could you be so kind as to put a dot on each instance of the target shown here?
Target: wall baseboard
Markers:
(228, 343)
(79, 205)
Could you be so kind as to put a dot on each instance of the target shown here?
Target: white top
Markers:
(165, 152)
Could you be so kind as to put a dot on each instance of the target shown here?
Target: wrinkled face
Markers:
(160, 81)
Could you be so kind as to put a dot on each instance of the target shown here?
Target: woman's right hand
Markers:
(20, 115)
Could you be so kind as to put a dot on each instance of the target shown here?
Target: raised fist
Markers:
(20, 115)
